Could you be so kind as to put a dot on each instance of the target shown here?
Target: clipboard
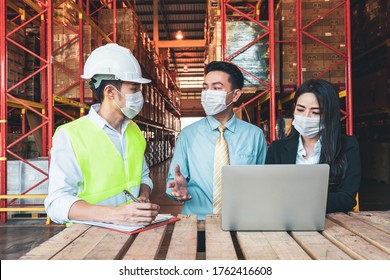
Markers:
(161, 220)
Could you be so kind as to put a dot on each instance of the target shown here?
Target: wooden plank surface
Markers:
(219, 244)
(83, 245)
(147, 244)
(352, 244)
(183, 243)
(277, 245)
(111, 247)
(58, 242)
(377, 219)
(254, 246)
(383, 214)
(362, 235)
(318, 247)
(366, 231)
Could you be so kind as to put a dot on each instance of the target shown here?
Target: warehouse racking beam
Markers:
(20, 103)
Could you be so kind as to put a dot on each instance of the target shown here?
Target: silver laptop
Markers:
(274, 197)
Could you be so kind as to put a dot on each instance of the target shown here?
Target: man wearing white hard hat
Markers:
(97, 161)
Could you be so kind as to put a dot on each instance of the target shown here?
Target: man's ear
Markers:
(236, 94)
(109, 91)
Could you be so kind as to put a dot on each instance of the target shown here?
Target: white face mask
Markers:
(214, 101)
(307, 127)
(134, 104)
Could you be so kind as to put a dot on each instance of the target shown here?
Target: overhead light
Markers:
(185, 68)
(179, 35)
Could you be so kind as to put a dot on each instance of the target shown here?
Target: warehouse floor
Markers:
(18, 236)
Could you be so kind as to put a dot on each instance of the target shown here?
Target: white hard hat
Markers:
(113, 62)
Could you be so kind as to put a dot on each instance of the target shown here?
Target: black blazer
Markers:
(341, 198)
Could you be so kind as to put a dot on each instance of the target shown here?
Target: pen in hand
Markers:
(128, 194)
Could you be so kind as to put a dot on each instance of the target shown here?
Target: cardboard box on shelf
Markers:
(289, 78)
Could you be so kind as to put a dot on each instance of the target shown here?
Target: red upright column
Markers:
(348, 68)
(3, 107)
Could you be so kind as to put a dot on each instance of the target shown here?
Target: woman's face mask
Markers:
(307, 127)
(134, 104)
(214, 101)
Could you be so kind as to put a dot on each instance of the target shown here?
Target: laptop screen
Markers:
(274, 197)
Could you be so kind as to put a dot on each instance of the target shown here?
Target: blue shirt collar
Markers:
(230, 124)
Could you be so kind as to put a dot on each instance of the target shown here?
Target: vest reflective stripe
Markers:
(101, 163)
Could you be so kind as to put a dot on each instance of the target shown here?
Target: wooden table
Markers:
(361, 235)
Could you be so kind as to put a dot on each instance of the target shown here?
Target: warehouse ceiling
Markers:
(186, 56)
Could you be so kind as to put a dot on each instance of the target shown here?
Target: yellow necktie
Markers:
(221, 158)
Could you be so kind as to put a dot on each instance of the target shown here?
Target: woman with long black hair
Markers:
(316, 138)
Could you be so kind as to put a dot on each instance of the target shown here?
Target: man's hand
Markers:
(179, 186)
(132, 214)
(136, 213)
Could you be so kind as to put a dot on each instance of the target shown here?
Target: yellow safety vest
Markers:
(103, 168)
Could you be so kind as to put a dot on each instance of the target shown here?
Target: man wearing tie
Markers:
(218, 139)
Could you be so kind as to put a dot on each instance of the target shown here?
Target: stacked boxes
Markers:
(33, 85)
(357, 24)
(372, 83)
(21, 177)
(20, 148)
(376, 22)
(15, 60)
(65, 13)
(126, 26)
(372, 67)
(254, 59)
(67, 60)
(317, 59)
(370, 23)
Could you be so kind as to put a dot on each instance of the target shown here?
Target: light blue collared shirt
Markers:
(65, 176)
(194, 152)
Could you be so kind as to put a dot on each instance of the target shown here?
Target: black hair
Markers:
(235, 75)
(329, 103)
(99, 91)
